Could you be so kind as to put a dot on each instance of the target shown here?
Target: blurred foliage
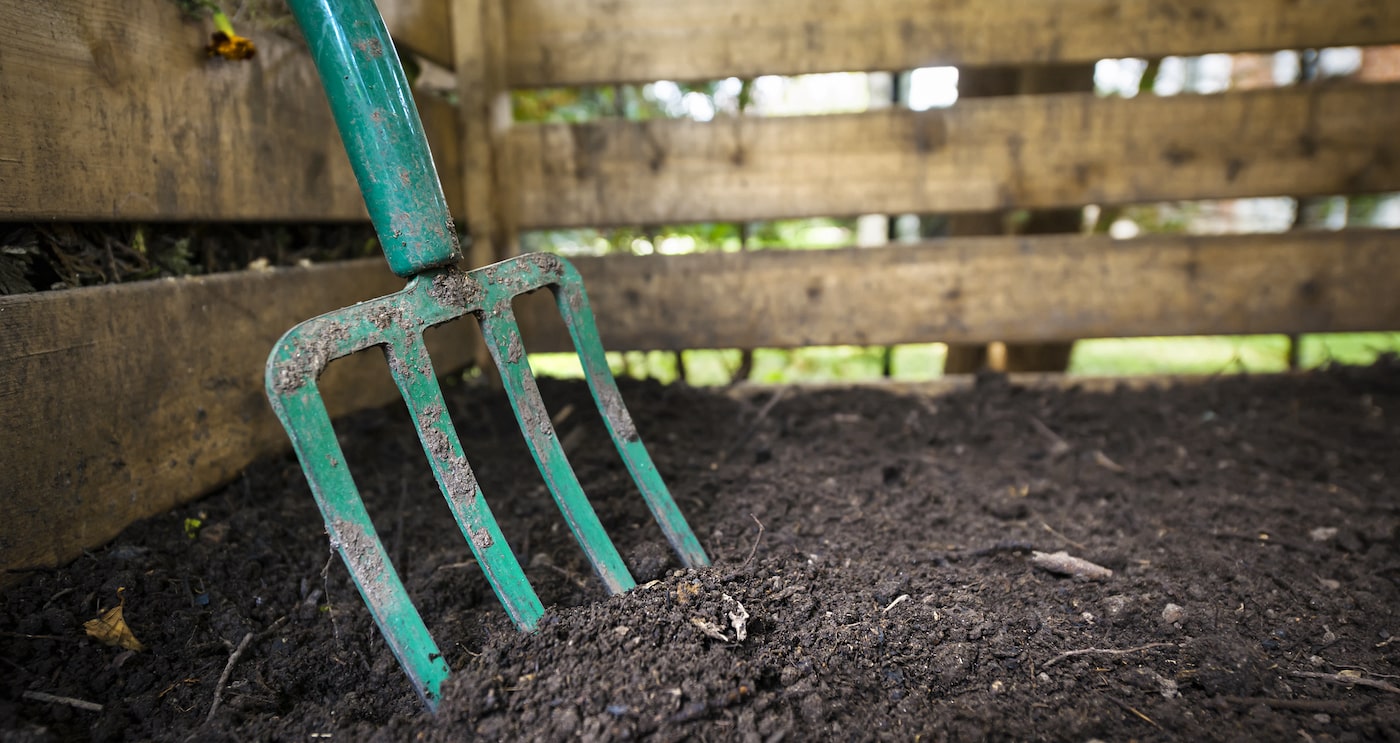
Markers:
(270, 15)
(38, 257)
(1203, 355)
(663, 100)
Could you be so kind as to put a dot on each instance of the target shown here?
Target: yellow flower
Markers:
(231, 46)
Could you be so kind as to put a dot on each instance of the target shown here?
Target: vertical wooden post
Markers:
(478, 45)
(485, 115)
(994, 81)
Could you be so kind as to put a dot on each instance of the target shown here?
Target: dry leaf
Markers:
(709, 629)
(685, 592)
(739, 620)
(111, 628)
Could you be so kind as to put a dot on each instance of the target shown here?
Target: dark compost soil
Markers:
(1251, 524)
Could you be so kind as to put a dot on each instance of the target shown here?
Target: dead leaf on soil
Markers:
(687, 591)
(111, 628)
(709, 629)
(739, 620)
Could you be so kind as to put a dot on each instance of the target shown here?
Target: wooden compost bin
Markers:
(119, 402)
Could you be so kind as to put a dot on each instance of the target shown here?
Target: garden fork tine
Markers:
(383, 135)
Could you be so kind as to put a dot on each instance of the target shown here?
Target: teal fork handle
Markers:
(379, 125)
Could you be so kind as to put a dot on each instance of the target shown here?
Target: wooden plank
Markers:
(1014, 152)
(119, 402)
(112, 111)
(440, 120)
(980, 289)
(423, 27)
(101, 423)
(582, 42)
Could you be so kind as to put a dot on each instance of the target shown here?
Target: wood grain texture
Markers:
(423, 27)
(112, 111)
(980, 289)
(440, 125)
(117, 403)
(982, 82)
(580, 42)
(484, 117)
(998, 153)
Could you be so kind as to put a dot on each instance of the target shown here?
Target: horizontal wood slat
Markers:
(117, 403)
(112, 111)
(996, 153)
(580, 42)
(979, 289)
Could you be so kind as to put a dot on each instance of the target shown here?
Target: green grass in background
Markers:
(1104, 357)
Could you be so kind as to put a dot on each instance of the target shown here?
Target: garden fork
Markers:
(383, 136)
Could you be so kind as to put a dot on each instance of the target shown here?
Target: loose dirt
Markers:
(872, 578)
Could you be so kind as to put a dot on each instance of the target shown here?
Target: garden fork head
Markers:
(381, 130)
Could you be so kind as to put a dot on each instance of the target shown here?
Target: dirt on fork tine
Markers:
(1250, 525)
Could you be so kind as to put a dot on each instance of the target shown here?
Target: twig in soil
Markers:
(1369, 673)
(1063, 563)
(223, 677)
(999, 547)
(1105, 651)
(754, 550)
(1349, 680)
(57, 596)
(1103, 461)
(1133, 710)
(752, 428)
(1058, 446)
(1071, 542)
(59, 638)
(39, 696)
(456, 565)
(15, 665)
(271, 629)
(946, 559)
(326, 584)
(898, 600)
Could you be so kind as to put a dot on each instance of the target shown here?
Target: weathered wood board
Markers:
(112, 111)
(997, 153)
(981, 289)
(119, 402)
(484, 116)
(580, 42)
(440, 120)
